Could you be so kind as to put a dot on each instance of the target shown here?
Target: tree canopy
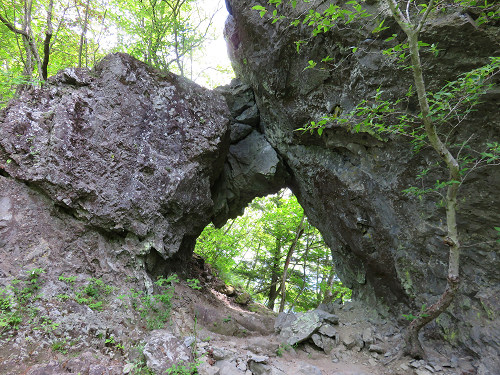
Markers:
(38, 38)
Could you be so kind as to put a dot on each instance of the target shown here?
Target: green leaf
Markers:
(311, 65)
(261, 9)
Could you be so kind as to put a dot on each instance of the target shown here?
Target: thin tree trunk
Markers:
(298, 234)
(84, 32)
(328, 297)
(413, 345)
(274, 275)
(254, 264)
(46, 42)
(306, 253)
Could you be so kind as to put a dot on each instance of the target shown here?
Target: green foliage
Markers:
(70, 280)
(110, 341)
(161, 33)
(154, 309)
(93, 294)
(166, 34)
(194, 283)
(60, 346)
(16, 301)
(248, 250)
(182, 368)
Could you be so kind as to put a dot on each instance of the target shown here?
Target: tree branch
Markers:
(11, 27)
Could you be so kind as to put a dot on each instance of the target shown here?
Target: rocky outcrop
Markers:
(163, 350)
(387, 247)
(134, 156)
(317, 324)
(252, 168)
(123, 149)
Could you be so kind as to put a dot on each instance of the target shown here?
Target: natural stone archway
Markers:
(389, 247)
(119, 169)
(126, 166)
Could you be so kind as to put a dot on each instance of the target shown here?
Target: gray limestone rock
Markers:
(239, 96)
(123, 150)
(327, 330)
(328, 344)
(283, 319)
(367, 336)
(207, 369)
(239, 131)
(253, 168)
(250, 116)
(327, 317)
(304, 368)
(376, 348)
(163, 349)
(318, 341)
(328, 307)
(261, 347)
(348, 341)
(228, 368)
(301, 328)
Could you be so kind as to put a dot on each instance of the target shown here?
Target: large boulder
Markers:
(386, 246)
(123, 149)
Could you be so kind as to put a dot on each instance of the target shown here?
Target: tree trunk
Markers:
(46, 42)
(273, 293)
(300, 230)
(328, 297)
(84, 32)
(413, 345)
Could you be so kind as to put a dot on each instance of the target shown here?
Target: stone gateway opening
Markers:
(273, 253)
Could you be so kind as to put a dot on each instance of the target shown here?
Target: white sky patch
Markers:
(214, 57)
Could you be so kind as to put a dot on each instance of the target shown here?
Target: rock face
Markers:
(387, 247)
(133, 155)
(163, 349)
(127, 151)
(252, 168)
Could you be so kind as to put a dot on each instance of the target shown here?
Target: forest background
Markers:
(40, 37)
